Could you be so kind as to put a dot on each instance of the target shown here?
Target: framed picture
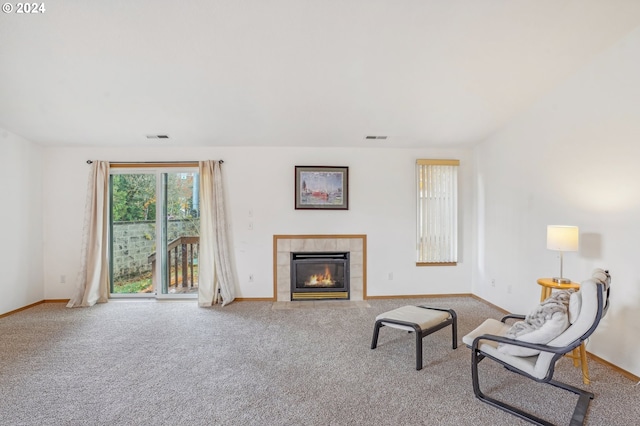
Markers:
(322, 187)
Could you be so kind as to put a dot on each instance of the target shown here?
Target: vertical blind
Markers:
(437, 201)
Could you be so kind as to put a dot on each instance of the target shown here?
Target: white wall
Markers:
(21, 218)
(572, 159)
(381, 205)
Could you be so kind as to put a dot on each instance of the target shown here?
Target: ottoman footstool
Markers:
(422, 320)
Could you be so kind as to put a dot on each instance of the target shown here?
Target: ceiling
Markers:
(425, 73)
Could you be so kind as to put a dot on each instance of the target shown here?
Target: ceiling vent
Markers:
(157, 136)
(376, 137)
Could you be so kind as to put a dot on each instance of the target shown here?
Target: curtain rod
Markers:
(150, 162)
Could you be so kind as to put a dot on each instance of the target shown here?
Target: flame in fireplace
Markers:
(321, 279)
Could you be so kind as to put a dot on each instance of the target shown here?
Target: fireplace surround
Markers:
(355, 244)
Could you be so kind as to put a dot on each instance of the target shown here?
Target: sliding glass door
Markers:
(180, 233)
(155, 224)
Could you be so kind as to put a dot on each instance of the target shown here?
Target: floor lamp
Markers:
(562, 238)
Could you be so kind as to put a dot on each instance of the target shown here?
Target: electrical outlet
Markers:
(509, 289)
(390, 276)
(250, 278)
(63, 279)
(250, 226)
(493, 282)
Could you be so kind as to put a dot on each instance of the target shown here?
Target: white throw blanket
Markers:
(553, 308)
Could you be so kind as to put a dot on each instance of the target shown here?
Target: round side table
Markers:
(548, 285)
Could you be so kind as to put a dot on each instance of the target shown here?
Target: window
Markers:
(437, 212)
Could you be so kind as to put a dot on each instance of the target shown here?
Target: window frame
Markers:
(160, 172)
(445, 251)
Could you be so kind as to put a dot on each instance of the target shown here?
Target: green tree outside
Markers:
(134, 197)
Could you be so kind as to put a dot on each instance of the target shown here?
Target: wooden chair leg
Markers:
(585, 366)
(575, 354)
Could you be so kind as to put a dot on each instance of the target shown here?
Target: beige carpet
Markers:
(258, 363)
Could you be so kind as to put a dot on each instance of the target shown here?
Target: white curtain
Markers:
(217, 278)
(93, 278)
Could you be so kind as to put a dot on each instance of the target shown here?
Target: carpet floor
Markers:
(260, 363)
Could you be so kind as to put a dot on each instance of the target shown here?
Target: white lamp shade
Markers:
(562, 238)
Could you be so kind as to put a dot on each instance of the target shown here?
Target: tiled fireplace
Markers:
(285, 245)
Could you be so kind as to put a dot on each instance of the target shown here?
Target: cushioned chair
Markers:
(421, 320)
(586, 308)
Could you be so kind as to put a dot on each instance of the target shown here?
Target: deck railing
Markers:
(182, 254)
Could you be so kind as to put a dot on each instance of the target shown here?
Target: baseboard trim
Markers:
(480, 299)
(625, 373)
(40, 302)
(254, 299)
(15, 311)
(419, 296)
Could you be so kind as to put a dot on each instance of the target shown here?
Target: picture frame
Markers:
(321, 188)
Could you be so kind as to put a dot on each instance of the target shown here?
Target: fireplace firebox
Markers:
(319, 275)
